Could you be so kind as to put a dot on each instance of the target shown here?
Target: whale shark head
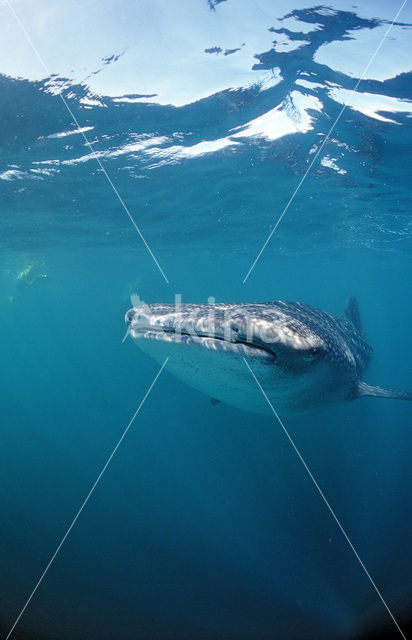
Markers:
(303, 357)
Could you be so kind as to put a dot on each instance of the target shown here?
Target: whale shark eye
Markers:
(311, 355)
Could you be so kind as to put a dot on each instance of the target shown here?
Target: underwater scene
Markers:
(205, 304)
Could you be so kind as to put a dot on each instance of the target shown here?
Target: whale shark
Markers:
(303, 357)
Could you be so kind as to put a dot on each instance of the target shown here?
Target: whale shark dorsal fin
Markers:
(352, 313)
(378, 392)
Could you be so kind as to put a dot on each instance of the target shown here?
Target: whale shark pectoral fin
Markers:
(378, 392)
(126, 334)
(352, 313)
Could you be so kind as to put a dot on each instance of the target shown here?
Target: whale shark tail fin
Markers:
(378, 392)
(352, 313)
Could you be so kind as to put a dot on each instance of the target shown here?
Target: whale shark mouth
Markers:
(210, 341)
(163, 332)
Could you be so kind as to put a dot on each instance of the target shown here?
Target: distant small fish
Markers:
(303, 357)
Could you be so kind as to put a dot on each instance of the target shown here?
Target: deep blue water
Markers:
(205, 524)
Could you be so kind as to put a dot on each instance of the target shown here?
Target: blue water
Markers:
(205, 525)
